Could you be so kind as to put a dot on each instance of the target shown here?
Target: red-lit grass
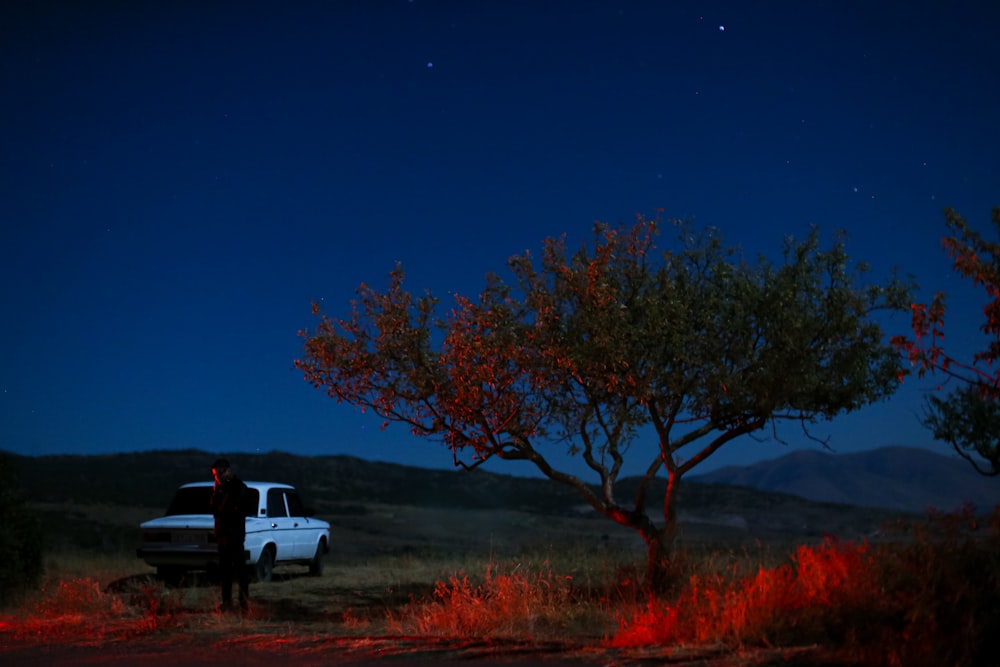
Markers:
(923, 594)
(927, 595)
(787, 601)
(79, 597)
(81, 610)
(508, 602)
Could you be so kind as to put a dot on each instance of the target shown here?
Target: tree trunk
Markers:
(659, 550)
(660, 541)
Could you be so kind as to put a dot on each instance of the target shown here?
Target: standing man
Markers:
(229, 508)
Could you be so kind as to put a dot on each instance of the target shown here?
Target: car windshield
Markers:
(197, 500)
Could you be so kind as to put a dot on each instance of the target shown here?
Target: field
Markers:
(432, 582)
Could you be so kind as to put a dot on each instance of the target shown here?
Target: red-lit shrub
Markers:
(793, 599)
(80, 597)
(514, 604)
(73, 608)
(928, 596)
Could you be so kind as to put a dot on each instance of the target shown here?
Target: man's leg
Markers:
(243, 572)
(244, 578)
(226, 575)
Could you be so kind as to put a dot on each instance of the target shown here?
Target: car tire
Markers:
(265, 565)
(316, 564)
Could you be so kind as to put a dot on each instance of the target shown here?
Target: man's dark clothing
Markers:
(229, 501)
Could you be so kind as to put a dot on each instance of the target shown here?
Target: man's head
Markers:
(221, 470)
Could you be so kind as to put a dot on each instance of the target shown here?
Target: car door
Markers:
(305, 543)
(282, 526)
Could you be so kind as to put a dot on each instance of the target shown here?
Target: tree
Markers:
(968, 417)
(597, 349)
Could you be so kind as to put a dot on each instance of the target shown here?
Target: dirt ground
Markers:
(251, 650)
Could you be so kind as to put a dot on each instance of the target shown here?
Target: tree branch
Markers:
(718, 442)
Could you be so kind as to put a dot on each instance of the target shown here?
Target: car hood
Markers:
(206, 521)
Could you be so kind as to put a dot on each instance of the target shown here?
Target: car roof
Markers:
(253, 485)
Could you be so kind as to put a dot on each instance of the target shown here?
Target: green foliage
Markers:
(969, 420)
(21, 539)
(966, 417)
(594, 348)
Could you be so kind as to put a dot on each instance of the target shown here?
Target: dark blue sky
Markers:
(181, 179)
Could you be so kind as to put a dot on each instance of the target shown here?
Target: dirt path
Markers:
(269, 650)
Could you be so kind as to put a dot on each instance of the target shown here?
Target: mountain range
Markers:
(903, 479)
(103, 497)
(906, 479)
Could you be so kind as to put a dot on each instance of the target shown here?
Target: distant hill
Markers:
(894, 478)
(132, 486)
(897, 478)
(149, 479)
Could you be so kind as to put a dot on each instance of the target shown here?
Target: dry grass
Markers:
(510, 601)
(787, 602)
(928, 596)
(104, 568)
(925, 595)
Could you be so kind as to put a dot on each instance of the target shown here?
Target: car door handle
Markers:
(296, 525)
(274, 525)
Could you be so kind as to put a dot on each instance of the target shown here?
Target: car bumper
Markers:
(189, 557)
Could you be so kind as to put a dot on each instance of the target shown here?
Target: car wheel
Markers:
(265, 565)
(316, 564)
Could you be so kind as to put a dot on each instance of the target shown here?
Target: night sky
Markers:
(181, 179)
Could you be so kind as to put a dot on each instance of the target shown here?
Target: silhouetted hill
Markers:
(897, 478)
(134, 486)
(149, 479)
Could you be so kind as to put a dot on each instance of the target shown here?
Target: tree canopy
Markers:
(968, 415)
(590, 352)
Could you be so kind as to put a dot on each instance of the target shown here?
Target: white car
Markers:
(279, 531)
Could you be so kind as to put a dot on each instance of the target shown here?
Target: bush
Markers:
(514, 604)
(79, 597)
(21, 541)
(926, 596)
(940, 579)
(799, 600)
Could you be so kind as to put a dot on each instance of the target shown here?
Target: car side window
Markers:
(295, 506)
(276, 503)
